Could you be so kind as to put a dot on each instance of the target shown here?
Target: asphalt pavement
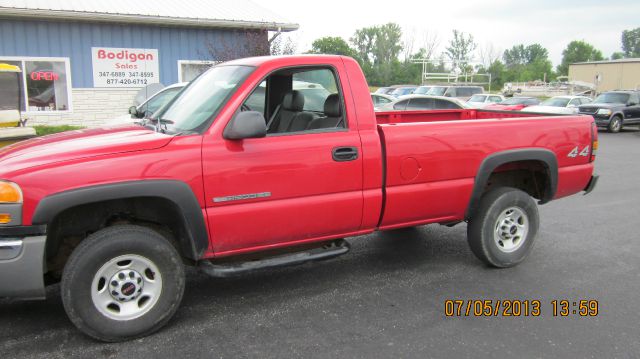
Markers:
(385, 299)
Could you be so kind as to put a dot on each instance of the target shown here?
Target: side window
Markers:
(316, 86)
(420, 104)
(257, 100)
(475, 90)
(585, 100)
(400, 105)
(574, 102)
(463, 92)
(495, 99)
(298, 101)
(445, 105)
(383, 100)
(451, 92)
(634, 98)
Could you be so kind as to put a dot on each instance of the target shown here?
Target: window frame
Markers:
(25, 93)
(193, 62)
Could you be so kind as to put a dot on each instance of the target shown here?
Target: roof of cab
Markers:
(285, 60)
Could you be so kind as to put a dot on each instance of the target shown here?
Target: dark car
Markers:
(614, 110)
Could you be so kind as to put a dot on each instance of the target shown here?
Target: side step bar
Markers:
(334, 249)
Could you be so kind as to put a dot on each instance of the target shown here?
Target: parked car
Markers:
(385, 90)
(422, 102)
(380, 100)
(561, 105)
(615, 109)
(482, 100)
(422, 90)
(402, 91)
(151, 105)
(457, 91)
(117, 213)
(513, 104)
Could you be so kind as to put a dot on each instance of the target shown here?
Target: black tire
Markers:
(482, 227)
(615, 125)
(93, 254)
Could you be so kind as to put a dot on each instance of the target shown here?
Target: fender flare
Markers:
(177, 192)
(495, 160)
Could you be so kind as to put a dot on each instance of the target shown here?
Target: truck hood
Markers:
(602, 105)
(79, 144)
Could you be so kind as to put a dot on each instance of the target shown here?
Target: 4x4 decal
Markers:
(574, 152)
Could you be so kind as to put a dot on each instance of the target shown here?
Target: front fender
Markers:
(177, 192)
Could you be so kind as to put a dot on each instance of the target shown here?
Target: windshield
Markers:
(556, 102)
(437, 91)
(513, 101)
(158, 100)
(612, 97)
(477, 98)
(421, 90)
(402, 91)
(203, 98)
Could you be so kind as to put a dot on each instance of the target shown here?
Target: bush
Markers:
(42, 130)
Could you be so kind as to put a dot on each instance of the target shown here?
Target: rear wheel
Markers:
(503, 230)
(122, 282)
(615, 125)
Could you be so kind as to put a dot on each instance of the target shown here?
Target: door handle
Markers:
(343, 154)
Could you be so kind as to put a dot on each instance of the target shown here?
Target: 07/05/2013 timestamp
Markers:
(519, 308)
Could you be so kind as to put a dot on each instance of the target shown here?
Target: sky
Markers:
(497, 23)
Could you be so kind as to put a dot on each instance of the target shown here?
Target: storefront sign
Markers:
(119, 67)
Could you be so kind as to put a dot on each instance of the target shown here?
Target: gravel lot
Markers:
(386, 297)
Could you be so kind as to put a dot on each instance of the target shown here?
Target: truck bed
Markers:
(432, 157)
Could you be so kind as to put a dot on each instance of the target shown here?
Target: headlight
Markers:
(10, 192)
(604, 111)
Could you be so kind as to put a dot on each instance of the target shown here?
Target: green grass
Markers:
(42, 130)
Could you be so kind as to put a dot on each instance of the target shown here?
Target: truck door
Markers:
(632, 110)
(302, 182)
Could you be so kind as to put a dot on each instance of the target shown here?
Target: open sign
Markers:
(44, 76)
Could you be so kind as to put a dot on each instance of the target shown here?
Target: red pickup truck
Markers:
(265, 162)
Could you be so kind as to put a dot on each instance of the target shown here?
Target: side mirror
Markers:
(631, 104)
(246, 124)
(133, 110)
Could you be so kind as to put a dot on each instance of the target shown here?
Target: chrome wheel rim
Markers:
(616, 125)
(126, 287)
(511, 229)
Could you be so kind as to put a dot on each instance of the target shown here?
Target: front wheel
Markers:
(502, 231)
(122, 282)
(615, 125)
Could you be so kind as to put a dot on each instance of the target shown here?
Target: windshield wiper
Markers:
(162, 121)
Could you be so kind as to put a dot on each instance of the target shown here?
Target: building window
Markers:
(190, 69)
(46, 83)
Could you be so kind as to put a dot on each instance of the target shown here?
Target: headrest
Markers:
(332, 106)
(293, 101)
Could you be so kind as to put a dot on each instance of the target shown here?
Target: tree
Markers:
(378, 48)
(617, 55)
(332, 45)
(526, 63)
(578, 51)
(364, 40)
(488, 55)
(631, 42)
(460, 49)
(247, 43)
